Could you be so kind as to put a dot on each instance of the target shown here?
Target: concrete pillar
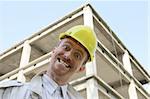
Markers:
(126, 62)
(127, 65)
(24, 60)
(132, 91)
(88, 17)
(92, 91)
(88, 21)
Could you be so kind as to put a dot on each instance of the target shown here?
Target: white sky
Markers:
(128, 19)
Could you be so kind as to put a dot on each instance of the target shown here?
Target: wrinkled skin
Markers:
(67, 58)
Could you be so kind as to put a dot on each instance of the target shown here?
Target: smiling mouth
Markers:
(64, 63)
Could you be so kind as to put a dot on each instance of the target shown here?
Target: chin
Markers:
(57, 71)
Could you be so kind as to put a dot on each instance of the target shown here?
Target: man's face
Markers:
(67, 58)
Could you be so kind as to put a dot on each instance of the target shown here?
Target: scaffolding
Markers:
(114, 73)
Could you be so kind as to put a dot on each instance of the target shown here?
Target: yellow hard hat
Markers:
(84, 35)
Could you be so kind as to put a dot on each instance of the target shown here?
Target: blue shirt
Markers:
(51, 90)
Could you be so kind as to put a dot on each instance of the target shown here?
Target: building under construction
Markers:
(114, 74)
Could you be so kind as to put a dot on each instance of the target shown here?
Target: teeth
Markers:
(64, 63)
(61, 61)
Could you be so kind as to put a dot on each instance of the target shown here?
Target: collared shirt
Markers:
(51, 90)
(35, 89)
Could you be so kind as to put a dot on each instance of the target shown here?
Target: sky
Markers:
(129, 19)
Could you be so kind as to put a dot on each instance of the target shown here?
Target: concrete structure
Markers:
(114, 74)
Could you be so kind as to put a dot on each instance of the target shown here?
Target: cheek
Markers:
(53, 59)
(79, 64)
(76, 67)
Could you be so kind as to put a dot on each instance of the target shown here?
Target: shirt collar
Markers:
(36, 84)
(64, 90)
(52, 86)
(49, 84)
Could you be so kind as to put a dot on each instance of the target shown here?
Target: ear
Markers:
(82, 68)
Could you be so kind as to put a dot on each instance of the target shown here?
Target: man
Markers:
(76, 47)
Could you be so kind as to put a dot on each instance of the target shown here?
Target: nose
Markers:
(68, 56)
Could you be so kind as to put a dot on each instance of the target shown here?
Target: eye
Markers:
(77, 55)
(66, 47)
